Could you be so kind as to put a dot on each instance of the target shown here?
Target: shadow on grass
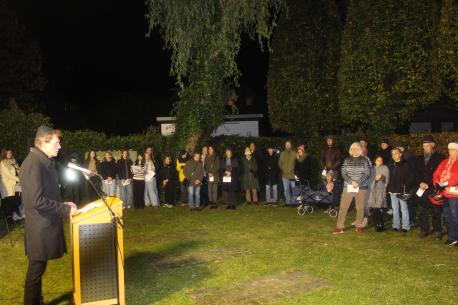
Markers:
(146, 285)
(66, 298)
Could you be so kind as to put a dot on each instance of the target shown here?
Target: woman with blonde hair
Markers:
(9, 181)
(355, 173)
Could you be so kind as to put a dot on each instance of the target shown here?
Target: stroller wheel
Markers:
(309, 209)
(300, 210)
(333, 213)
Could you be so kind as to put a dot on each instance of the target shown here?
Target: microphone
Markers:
(85, 171)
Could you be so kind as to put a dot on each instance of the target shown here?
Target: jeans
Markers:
(109, 189)
(183, 192)
(451, 217)
(151, 196)
(126, 193)
(395, 203)
(194, 193)
(288, 186)
(271, 193)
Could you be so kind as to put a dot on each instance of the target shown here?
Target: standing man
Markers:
(330, 158)
(425, 166)
(286, 164)
(44, 233)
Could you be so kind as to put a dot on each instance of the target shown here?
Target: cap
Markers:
(386, 141)
(428, 139)
(43, 131)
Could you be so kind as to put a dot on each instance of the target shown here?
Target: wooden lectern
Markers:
(97, 251)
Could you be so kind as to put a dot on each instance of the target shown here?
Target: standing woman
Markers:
(401, 181)
(446, 176)
(92, 164)
(271, 171)
(355, 173)
(302, 166)
(8, 181)
(377, 197)
(138, 182)
(169, 181)
(180, 164)
(123, 168)
(151, 195)
(230, 168)
(108, 173)
(250, 183)
(212, 167)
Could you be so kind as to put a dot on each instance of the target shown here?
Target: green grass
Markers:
(373, 268)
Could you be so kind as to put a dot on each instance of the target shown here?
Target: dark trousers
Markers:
(183, 192)
(204, 193)
(138, 187)
(412, 207)
(169, 192)
(11, 204)
(425, 208)
(229, 198)
(377, 217)
(32, 288)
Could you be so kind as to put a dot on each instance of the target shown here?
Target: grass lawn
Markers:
(373, 268)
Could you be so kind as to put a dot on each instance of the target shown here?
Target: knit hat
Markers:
(301, 147)
(247, 151)
(386, 141)
(428, 139)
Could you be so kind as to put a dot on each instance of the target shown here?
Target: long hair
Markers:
(4, 153)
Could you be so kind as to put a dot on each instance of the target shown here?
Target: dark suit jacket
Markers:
(44, 209)
(424, 172)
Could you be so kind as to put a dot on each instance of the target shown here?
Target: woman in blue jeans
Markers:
(401, 181)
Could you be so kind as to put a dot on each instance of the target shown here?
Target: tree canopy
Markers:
(204, 37)
(302, 77)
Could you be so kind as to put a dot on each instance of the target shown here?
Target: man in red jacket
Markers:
(446, 177)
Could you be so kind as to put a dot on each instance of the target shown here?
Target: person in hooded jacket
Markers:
(180, 164)
(271, 171)
(302, 166)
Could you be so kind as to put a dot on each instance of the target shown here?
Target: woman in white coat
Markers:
(9, 183)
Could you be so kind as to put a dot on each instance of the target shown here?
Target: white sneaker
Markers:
(167, 205)
(390, 212)
(16, 217)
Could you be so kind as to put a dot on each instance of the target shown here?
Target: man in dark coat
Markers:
(44, 209)
(330, 157)
(425, 166)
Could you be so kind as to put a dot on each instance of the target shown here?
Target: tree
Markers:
(204, 36)
(302, 77)
(385, 71)
(19, 128)
(21, 77)
(447, 58)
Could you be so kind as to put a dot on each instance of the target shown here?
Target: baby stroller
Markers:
(308, 200)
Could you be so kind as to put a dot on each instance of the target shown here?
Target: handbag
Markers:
(404, 196)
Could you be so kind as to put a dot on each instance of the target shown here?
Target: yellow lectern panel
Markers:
(97, 250)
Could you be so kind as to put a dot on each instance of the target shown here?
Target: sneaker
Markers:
(338, 231)
(16, 217)
(396, 229)
(167, 205)
(358, 230)
(390, 212)
(451, 242)
(405, 231)
(364, 223)
(353, 223)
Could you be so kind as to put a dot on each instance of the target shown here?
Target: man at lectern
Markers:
(44, 210)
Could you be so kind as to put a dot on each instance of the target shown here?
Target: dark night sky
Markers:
(102, 72)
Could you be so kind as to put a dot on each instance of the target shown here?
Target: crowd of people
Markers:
(390, 183)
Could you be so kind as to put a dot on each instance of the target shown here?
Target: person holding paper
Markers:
(355, 173)
(44, 233)
(230, 168)
(151, 194)
(108, 173)
(377, 197)
(401, 182)
(425, 165)
(169, 180)
(446, 177)
(138, 182)
(124, 171)
(330, 158)
(212, 167)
